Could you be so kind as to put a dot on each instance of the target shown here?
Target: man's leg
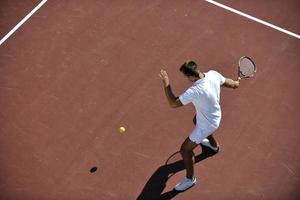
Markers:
(213, 141)
(187, 154)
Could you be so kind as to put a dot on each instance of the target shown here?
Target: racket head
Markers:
(246, 68)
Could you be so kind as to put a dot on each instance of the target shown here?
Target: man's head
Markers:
(190, 70)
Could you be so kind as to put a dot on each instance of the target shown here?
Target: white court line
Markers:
(22, 22)
(254, 18)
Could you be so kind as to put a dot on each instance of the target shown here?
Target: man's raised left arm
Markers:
(174, 101)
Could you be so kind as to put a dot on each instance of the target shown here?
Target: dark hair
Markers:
(189, 68)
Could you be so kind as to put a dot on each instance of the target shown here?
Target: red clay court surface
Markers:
(78, 70)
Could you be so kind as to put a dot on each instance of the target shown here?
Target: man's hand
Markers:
(164, 77)
(231, 83)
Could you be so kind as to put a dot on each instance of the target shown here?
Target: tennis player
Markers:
(204, 94)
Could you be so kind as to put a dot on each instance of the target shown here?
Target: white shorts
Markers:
(199, 133)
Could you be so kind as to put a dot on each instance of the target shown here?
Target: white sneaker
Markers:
(205, 142)
(185, 184)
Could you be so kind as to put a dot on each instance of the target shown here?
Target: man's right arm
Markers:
(229, 83)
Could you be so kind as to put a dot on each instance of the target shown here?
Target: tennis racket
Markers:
(246, 68)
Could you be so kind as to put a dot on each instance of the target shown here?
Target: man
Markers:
(205, 96)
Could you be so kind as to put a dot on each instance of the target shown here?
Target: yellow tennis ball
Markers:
(122, 129)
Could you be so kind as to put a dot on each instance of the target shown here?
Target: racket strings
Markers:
(247, 68)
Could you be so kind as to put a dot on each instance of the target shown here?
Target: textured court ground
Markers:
(77, 70)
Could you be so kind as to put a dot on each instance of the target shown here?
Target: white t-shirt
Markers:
(205, 95)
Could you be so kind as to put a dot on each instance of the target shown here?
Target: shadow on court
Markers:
(157, 182)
